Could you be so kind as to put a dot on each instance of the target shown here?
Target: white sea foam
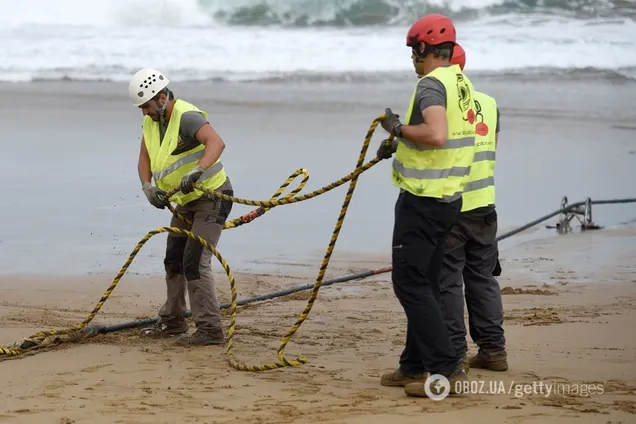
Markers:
(190, 40)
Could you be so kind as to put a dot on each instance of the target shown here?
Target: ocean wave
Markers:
(292, 13)
(188, 75)
(303, 13)
(63, 40)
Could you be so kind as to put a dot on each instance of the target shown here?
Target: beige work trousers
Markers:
(188, 264)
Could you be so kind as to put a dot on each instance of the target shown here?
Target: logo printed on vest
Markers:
(182, 146)
(464, 98)
(481, 128)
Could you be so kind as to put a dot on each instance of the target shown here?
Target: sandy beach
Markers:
(289, 85)
(552, 145)
(76, 211)
(568, 331)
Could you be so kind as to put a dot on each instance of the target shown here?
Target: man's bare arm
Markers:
(143, 165)
(214, 145)
(434, 130)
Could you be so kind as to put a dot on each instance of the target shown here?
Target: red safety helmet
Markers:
(432, 30)
(459, 56)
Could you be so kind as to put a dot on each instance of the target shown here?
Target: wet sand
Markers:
(71, 153)
(565, 328)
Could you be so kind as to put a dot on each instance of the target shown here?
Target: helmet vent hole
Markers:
(429, 32)
(443, 30)
(161, 77)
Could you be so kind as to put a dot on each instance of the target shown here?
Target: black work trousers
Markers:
(419, 233)
(471, 257)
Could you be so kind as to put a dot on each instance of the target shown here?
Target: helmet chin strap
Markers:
(160, 110)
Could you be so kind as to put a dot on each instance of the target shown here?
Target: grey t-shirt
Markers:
(431, 92)
(191, 121)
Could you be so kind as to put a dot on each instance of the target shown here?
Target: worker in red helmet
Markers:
(471, 253)
(433, 154)
(459, 56)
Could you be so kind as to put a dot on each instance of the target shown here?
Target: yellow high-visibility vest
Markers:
(480, 187)
(167, 169)
(440, 171)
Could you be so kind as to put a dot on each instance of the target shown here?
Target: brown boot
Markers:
(492, 362)
(166, 327)
(202, 338)
(397, 379)
(436, 387)
(466, 363)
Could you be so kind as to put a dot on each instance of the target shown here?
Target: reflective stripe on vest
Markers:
(480, 187)
(450, 144)
(167, 169)
(440, 171)
(192, 157)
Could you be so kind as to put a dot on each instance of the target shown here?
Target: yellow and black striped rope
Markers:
(250, 216)
(46, 339)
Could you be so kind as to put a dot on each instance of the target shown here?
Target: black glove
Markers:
(386, 149)
(391, 123)
(189, 179)
(155, 196)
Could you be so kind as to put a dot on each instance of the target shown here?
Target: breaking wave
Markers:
(312, 40)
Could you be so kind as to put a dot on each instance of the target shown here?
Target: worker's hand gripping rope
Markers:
(47, 339)
(387, 148)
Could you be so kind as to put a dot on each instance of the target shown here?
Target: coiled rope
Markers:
(47, 339)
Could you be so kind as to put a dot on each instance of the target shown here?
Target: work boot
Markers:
(416, 389)
(202, 338)
(398, 379)
(166, 327)
(466, 363)
(492, 362)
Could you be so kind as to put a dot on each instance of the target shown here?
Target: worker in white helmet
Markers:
(180, 150)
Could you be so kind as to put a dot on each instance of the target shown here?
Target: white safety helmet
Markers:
(145, 85)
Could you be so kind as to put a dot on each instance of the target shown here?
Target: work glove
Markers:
(391, 123)
(156, 196)
(189, 179)
(387, 148)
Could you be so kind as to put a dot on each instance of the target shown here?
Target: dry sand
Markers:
(570, 331)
